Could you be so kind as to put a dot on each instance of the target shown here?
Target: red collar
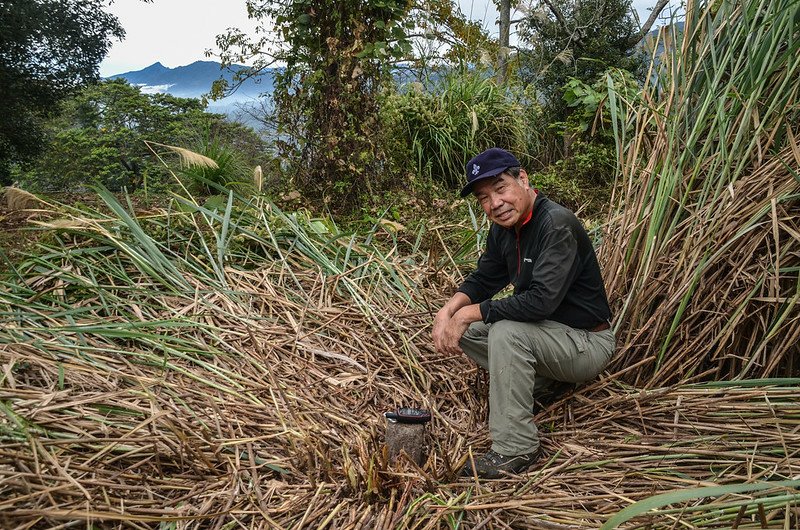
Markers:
(530, 215)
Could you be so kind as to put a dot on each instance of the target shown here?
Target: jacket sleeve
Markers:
(554, 271)
(491, 275)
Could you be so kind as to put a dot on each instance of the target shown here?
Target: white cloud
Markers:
(154, 89)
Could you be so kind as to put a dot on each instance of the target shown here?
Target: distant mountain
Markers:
(194, 81)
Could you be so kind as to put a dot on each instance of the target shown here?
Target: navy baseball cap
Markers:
(490, 163)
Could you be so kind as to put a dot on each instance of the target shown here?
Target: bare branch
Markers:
(657, 9)
(558, 14)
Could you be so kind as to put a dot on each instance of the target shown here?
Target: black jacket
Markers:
(553, 268)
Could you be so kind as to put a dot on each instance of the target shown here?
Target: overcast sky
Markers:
(177, 32)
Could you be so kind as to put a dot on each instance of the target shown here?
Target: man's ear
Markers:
(523, 176)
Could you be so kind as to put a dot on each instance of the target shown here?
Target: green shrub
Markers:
(99, 134)
(582, 176)
(439, 128)
(76, 159)
(232, 171)
(559, 186)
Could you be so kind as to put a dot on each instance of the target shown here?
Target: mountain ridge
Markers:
(194, 80)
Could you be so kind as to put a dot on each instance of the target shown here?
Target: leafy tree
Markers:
(579, 39)
(571, 49)
(335, 55)
(338, 57)
(98, 137)
(47, 49)
(443, 36)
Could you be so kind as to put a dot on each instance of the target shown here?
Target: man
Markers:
(555, 326)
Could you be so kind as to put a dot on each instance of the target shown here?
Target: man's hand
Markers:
(450, 335)
(450, 325)
(442, 335)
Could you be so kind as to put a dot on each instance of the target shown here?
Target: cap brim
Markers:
(493, 173)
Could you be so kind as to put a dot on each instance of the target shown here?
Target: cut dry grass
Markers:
(149, 381)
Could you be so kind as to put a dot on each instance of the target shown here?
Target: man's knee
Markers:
(475, 345)
(511, 334)
(476, 330)
(503, 328)
(509, 344)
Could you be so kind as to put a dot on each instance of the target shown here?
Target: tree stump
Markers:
(408, 437)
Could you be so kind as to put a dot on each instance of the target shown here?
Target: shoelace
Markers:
(494, 458)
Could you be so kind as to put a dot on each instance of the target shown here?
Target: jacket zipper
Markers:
(519, 250)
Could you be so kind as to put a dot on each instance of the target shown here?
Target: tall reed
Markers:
(702, 255)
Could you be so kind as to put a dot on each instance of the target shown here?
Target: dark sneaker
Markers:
(495, 465)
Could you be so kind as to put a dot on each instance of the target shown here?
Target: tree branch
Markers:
(657, 9)
(559, 16)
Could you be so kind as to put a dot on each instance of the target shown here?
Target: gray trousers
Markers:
(523, 357)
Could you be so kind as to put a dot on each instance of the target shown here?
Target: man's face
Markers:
(505, 199)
